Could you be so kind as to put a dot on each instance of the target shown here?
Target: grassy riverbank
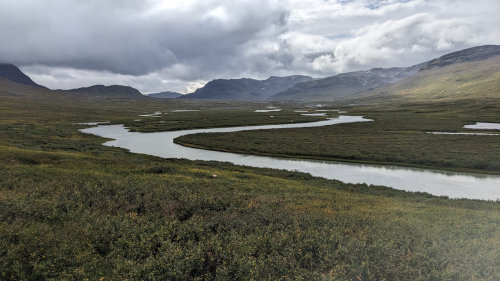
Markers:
(170, 121)
(399, 135)
(73, 209)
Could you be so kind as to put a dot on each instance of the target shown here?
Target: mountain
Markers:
(113, 91)
(165, 95)
(458, 75)
(245, 88)
(464, 75)
(345, 85)
(468, 55)
(13, 73)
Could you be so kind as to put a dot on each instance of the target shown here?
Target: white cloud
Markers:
(69, 78)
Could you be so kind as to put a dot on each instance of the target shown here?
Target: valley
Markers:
(73, 208)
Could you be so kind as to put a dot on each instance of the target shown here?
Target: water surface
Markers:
(452, 184)
(267, 110)
(483, 126)
(313, 114)
(154, 114)
(462, 133)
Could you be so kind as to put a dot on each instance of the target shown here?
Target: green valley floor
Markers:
(72, 209)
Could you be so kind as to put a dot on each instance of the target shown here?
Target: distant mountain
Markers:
(245, 88)
(165, 95)
(345, 85)
(14, 74)
(113, 91)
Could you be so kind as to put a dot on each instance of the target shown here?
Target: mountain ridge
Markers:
(165, 95)
(359, 84)
(344, 85)
(466, 55)
(471, 71)
(112, 91)
(14, 74)
(246, 88)
(466, 80)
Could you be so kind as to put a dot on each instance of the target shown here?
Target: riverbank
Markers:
(439, 183)
(398, 136)
(180, 141)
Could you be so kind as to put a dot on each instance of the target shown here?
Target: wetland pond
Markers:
(436, 182)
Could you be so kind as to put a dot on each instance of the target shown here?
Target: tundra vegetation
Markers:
(72, 209)
(398, 135)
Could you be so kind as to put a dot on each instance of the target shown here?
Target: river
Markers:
(436, 182)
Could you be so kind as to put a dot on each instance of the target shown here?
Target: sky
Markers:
(159, 45)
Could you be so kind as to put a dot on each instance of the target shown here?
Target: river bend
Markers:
(436, 182)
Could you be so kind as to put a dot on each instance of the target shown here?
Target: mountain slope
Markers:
(458, 75)
(475, 79)
(113, 91)
(467, 55)
(165, 95)
(14, 74)
(245, 88)
(345, 85)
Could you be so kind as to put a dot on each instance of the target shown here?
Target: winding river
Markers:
(436, 182)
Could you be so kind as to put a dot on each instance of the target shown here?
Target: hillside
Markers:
(165, 95)
(246, 88)
(468, 55)
(113, 91)
(459, 81)
(10, 90)
(469, 74)
(13, 73)
(346, 85)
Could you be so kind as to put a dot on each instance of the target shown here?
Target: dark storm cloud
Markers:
(131, 37)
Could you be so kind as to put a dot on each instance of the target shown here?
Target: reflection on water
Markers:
(268, 110)
(452, 184)
(461, 133)
(483, 126)
(313, 114)
(154, 114)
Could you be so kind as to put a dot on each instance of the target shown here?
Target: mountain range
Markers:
(346, 85)
(246, 89)
(469, 73)
(477, 68)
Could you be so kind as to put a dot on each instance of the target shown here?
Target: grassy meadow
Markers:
(72, 209)
(170, 120)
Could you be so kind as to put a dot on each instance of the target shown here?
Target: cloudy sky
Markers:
(159, 45)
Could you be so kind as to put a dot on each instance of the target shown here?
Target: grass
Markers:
(398, 135)
(72, 209)
(124, 216)
(216, 118)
